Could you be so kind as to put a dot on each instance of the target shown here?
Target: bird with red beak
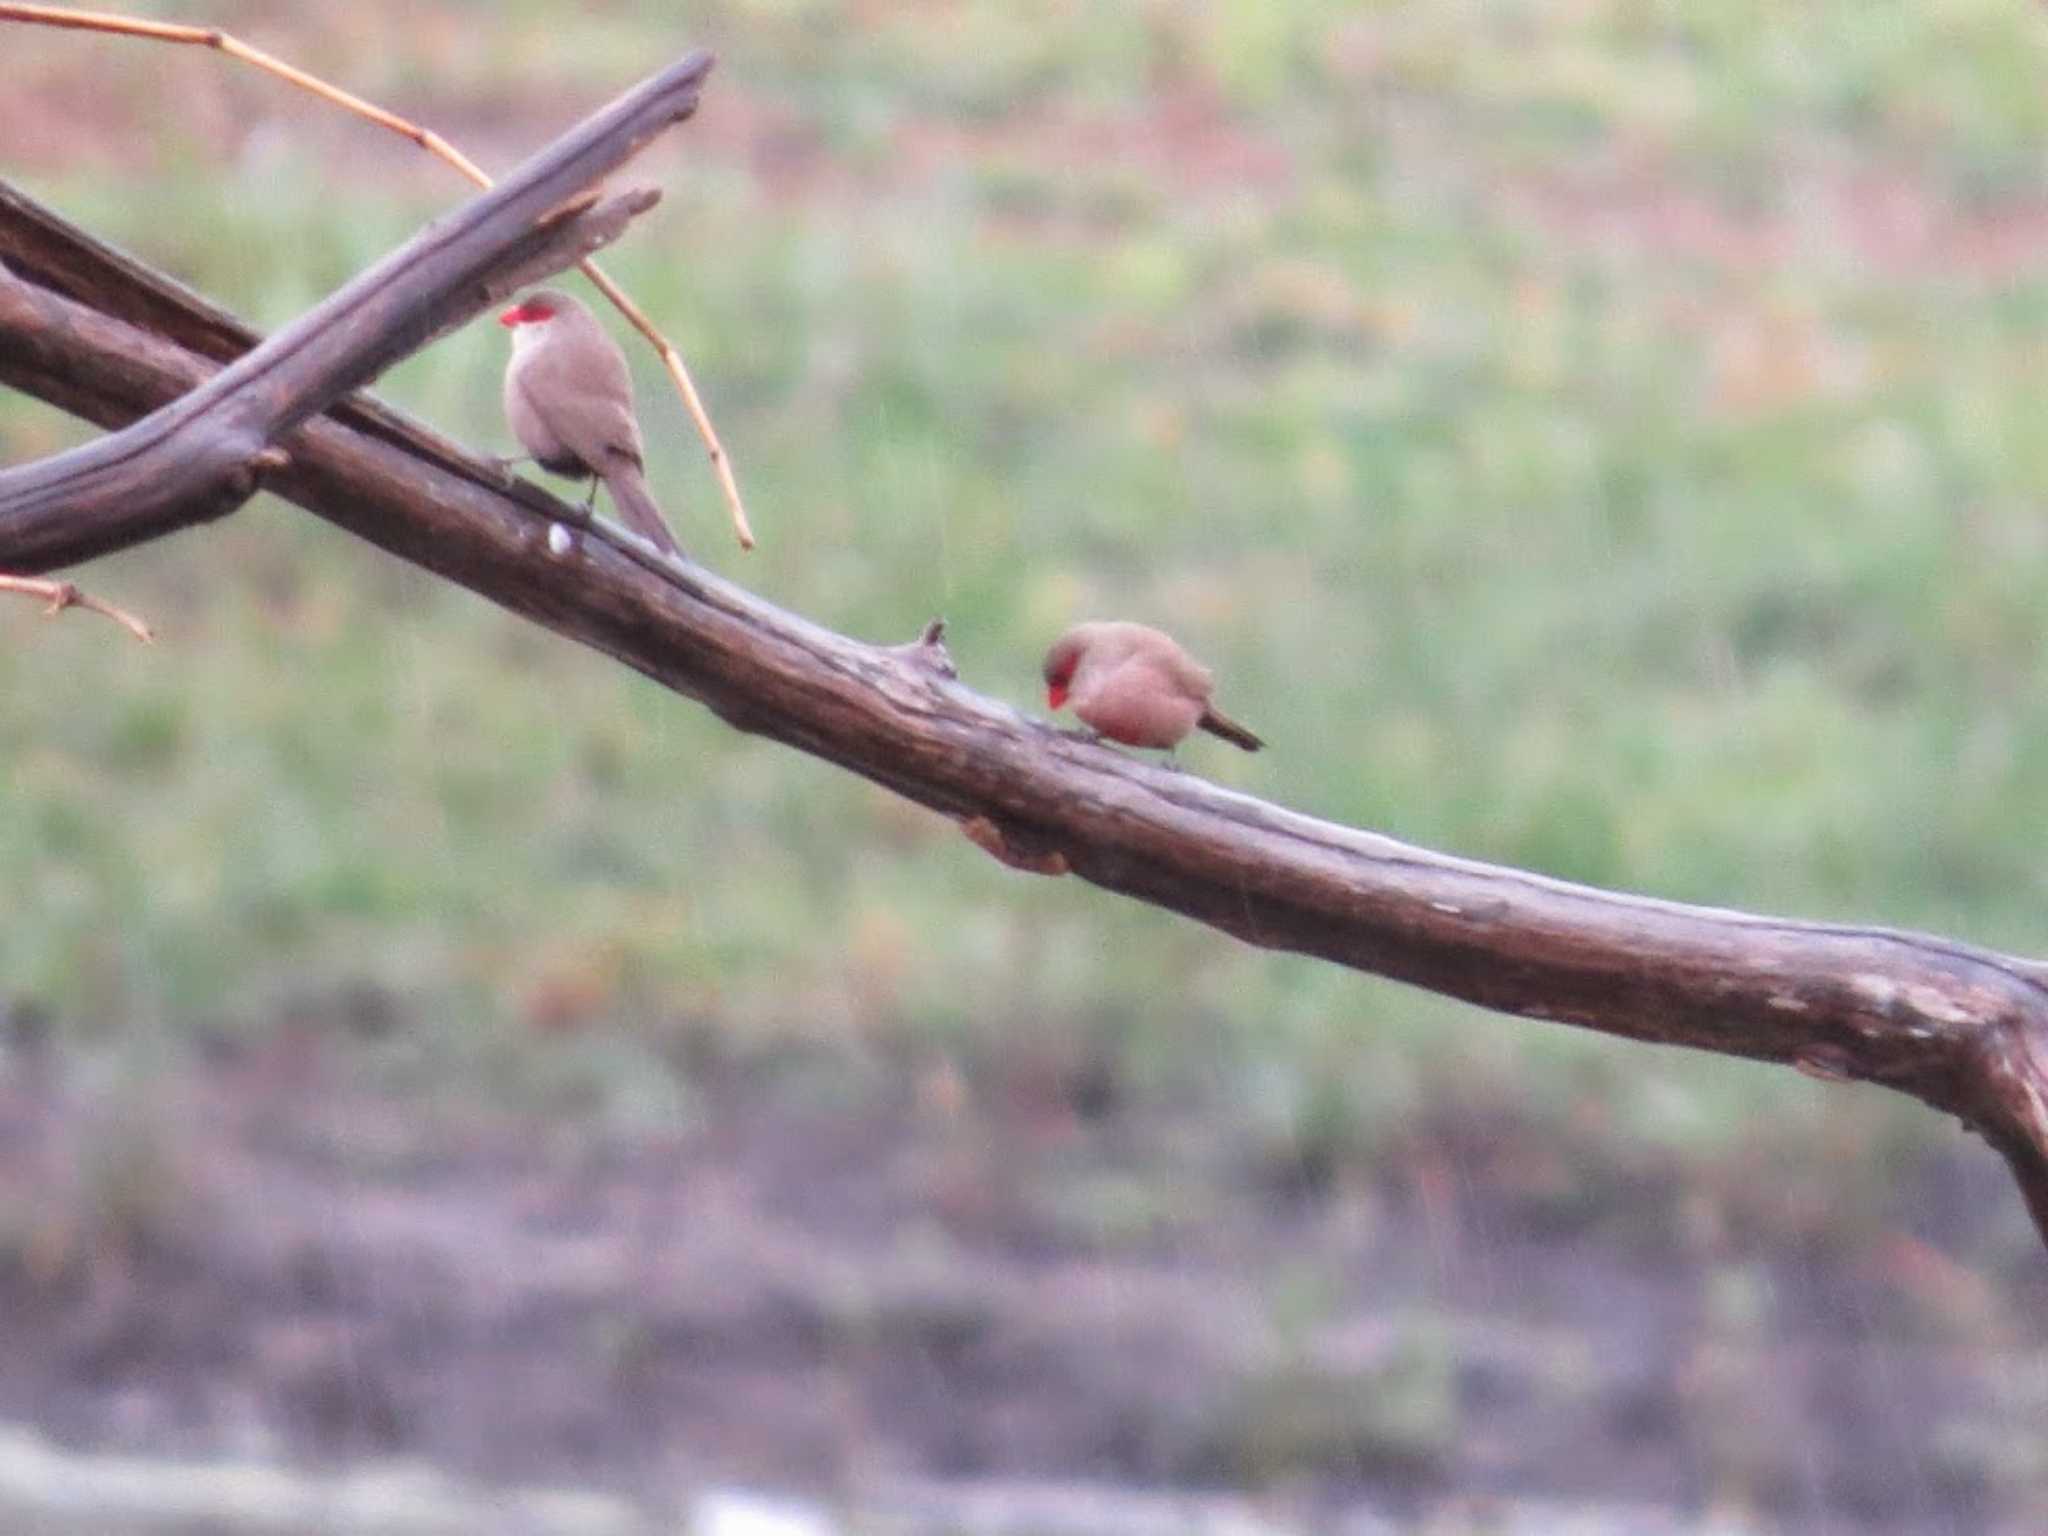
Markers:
(569, 401)
(1134, 684)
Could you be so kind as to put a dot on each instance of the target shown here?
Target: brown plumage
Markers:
(569, 401)
(1136, 685)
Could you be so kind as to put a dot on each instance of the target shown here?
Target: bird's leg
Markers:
(590, 498)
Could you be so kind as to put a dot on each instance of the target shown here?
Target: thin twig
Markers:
(59, 595)
(672, 360)
(434, 144)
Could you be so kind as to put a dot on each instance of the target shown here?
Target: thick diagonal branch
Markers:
(1962, 1029)
(200, 456)
(441, 149)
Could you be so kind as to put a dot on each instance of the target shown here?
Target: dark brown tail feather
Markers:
(1218, 724)
(637, 508)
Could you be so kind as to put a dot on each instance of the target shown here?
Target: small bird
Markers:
(569, 401)
(1135, 685)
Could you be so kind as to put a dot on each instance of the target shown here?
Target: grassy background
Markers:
(1606, 439)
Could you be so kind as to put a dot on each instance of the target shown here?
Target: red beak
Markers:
(516, 315)
(1055, 695)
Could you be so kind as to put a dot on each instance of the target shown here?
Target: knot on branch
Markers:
(1017, 849)
(259, 466)
(928, 653)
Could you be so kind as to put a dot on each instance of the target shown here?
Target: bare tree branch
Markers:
(432, 142)
(200, 456)
(59, 595)
(1962, 1029)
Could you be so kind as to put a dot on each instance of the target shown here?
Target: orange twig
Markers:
(59, 595)
(434, 144)
(671, 359)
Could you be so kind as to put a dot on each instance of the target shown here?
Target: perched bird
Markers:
(1137, 686)
(569, 401)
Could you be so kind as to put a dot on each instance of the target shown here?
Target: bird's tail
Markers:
(1216, 723)
(630, 495)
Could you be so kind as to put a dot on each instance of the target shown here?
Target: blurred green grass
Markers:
(1604, 440)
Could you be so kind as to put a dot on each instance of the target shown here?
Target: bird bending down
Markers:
(569, 401)
(1135, 685)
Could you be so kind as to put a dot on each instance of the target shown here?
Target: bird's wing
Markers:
(1184, 673)
(589, 408)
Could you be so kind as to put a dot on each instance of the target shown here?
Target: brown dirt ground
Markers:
(822, 1282)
